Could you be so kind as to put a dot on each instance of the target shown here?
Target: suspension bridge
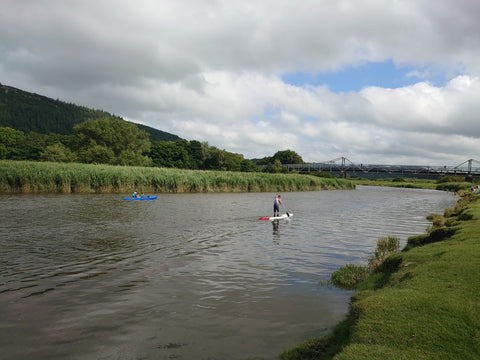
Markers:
(342, 166)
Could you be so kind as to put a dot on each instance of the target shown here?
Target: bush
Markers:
(436, 219)
(453, 186)
(385, 247)
(449, 179)
(448, 213)
(347, 277)
(435, 235)
(323, 174)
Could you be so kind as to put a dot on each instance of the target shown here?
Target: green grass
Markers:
(411, 183)
(423, 303)
(36, 177)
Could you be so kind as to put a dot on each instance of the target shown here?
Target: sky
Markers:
(376, 81)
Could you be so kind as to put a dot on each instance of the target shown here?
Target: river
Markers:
(187, 276)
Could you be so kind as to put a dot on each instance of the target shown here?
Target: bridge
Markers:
(342, 166)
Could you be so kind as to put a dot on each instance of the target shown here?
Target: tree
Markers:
(11, 143)
(248, 166)
(57, 153)
(170, 154)
(232, 161)
(196, 154)
(104, 140)
(214, 159)
(288, 157)
(34, 144)
(276, 167)
(97, 154)
(267, 160)
(132, 158)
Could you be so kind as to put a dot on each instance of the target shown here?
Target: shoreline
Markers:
(423, 303)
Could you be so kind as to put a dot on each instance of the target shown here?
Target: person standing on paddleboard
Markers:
(276, 207)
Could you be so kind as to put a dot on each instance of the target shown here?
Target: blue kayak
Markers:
(152, 197)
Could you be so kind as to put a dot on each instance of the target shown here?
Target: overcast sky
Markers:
(376, 81)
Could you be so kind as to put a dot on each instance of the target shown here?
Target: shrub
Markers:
(435, 235)
(449, 179)
(385, 247)
(436, 219)
(453, 187)
(323, 174)
(448, 213)
(347, 277)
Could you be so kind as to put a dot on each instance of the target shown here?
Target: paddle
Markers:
(286, 210)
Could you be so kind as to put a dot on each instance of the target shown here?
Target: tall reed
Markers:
(34, 177)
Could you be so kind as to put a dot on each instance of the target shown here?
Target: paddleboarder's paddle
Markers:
(286, 210)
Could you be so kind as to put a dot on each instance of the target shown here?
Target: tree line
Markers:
(114, 141)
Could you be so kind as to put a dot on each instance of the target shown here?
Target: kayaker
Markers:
(276, 207)
(134, 194)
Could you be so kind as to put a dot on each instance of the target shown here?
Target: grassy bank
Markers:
(36, 177)
(413, 183)
(421, 303)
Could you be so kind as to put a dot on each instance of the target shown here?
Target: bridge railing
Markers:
(389, 169)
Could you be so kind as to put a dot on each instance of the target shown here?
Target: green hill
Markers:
(27, 112)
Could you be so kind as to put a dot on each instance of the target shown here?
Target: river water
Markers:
(187, 276)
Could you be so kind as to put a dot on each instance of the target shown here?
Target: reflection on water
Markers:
(186, 276)
(276, 233)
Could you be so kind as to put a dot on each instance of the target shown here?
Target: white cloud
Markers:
(211, 71)
(451, 109)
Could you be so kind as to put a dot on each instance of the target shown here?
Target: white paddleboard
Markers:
(283, 216)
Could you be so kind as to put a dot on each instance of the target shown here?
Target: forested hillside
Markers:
(37, 128)
(27, 112)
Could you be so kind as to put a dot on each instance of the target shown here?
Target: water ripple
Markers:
(97, 277)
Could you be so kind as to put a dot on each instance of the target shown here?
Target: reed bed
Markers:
(39, 177)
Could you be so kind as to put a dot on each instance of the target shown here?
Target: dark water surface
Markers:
(188, 276)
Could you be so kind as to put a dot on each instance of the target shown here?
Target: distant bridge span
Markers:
(344, 166)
